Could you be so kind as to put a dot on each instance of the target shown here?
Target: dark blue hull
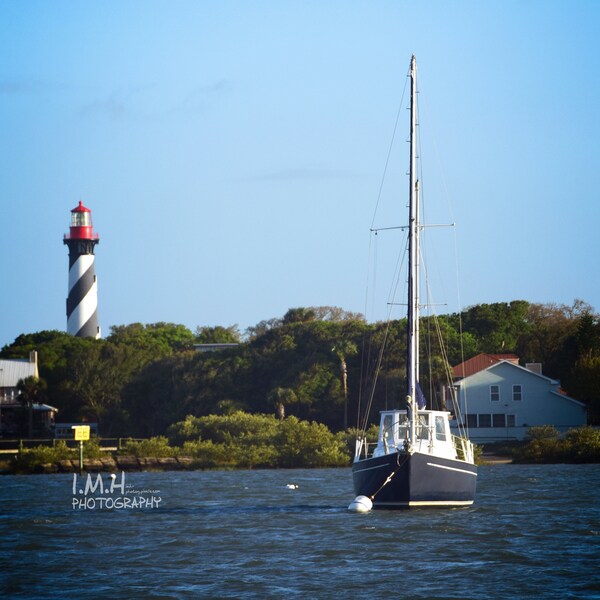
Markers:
(416, 480)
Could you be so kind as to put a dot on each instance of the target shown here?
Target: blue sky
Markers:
(232, 153)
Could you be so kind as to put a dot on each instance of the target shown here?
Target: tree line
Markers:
(313, 363)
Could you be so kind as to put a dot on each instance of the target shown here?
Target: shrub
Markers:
(542, 432)
(259, 441)
(544, 445)
(30, 458)
(156, 447)
(583, 444)
(304, 444)
(208, 455)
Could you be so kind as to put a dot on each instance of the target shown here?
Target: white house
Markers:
(500, 400)
(11, 372)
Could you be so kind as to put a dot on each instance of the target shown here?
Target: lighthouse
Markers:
(82, 302)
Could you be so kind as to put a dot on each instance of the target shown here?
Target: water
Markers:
(533, 532)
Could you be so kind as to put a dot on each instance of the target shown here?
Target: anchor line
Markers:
(391, 475)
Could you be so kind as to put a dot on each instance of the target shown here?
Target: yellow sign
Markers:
(82, 432)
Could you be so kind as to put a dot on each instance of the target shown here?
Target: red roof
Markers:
(81, 208)
(481, 362)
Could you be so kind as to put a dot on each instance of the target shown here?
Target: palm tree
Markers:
(32, 390)
(280, 397)
(344, 349)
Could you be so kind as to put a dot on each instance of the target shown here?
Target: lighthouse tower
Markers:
(82, 303)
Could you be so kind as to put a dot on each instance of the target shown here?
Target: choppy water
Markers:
(533, 532)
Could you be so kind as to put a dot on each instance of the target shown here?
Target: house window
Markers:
(517, 393)
(471, 420)
(498, 420)
(510, 421)
(485, 420)
(494, 393)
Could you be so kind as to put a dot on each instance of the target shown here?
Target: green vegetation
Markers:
(29, 459)
(544, 445)
(156, 447)
(239, 440)
(257, 441)
(311, 364)
(251, 441)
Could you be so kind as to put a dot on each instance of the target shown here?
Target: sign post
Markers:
(82, 433)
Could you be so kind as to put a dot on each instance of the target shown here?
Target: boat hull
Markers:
(417, 480)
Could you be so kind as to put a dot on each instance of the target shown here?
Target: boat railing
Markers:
(464, 449)
(364, 449)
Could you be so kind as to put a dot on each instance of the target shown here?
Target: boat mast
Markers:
(413, 251)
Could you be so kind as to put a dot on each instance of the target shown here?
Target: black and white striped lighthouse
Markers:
(82, 303)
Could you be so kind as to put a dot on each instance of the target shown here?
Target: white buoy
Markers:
(361, 504)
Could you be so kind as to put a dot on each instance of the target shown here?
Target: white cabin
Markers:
(432, 435)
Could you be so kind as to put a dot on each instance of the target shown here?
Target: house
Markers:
(11, 410)
(12, 370)
(499, 399)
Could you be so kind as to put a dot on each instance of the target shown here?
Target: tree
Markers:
(96, 378)
(497, 326)
(549, 336)
(158, 339)
(218, 335)
(299, 315)
(583, 378)
(262, 327)
(280, 398)
(335, 313)
(343, 349)
(588, 335)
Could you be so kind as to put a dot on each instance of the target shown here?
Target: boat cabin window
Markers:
(402, 428)
(422, 427)
(388, 429)
(440, 429)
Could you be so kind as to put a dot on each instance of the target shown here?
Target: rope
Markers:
(391, 475)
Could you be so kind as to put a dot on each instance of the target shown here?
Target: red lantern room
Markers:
(81, 224)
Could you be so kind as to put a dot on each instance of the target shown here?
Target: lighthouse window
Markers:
(80, 219)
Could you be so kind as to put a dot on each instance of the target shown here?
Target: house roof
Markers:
(565, 397)
(38, 406)
(215, 347)
(480, 362)
(512, 365)
(11, 370)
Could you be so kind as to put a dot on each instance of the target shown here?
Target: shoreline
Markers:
(495, 459)
(108, 465)
(132, 463)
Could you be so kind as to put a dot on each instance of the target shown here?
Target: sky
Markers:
(233, 152)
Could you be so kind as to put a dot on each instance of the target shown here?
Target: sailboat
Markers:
(417, 461)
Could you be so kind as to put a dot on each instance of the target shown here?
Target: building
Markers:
(82, 301)
(215, 347)
(12, 412)
(499, 399)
